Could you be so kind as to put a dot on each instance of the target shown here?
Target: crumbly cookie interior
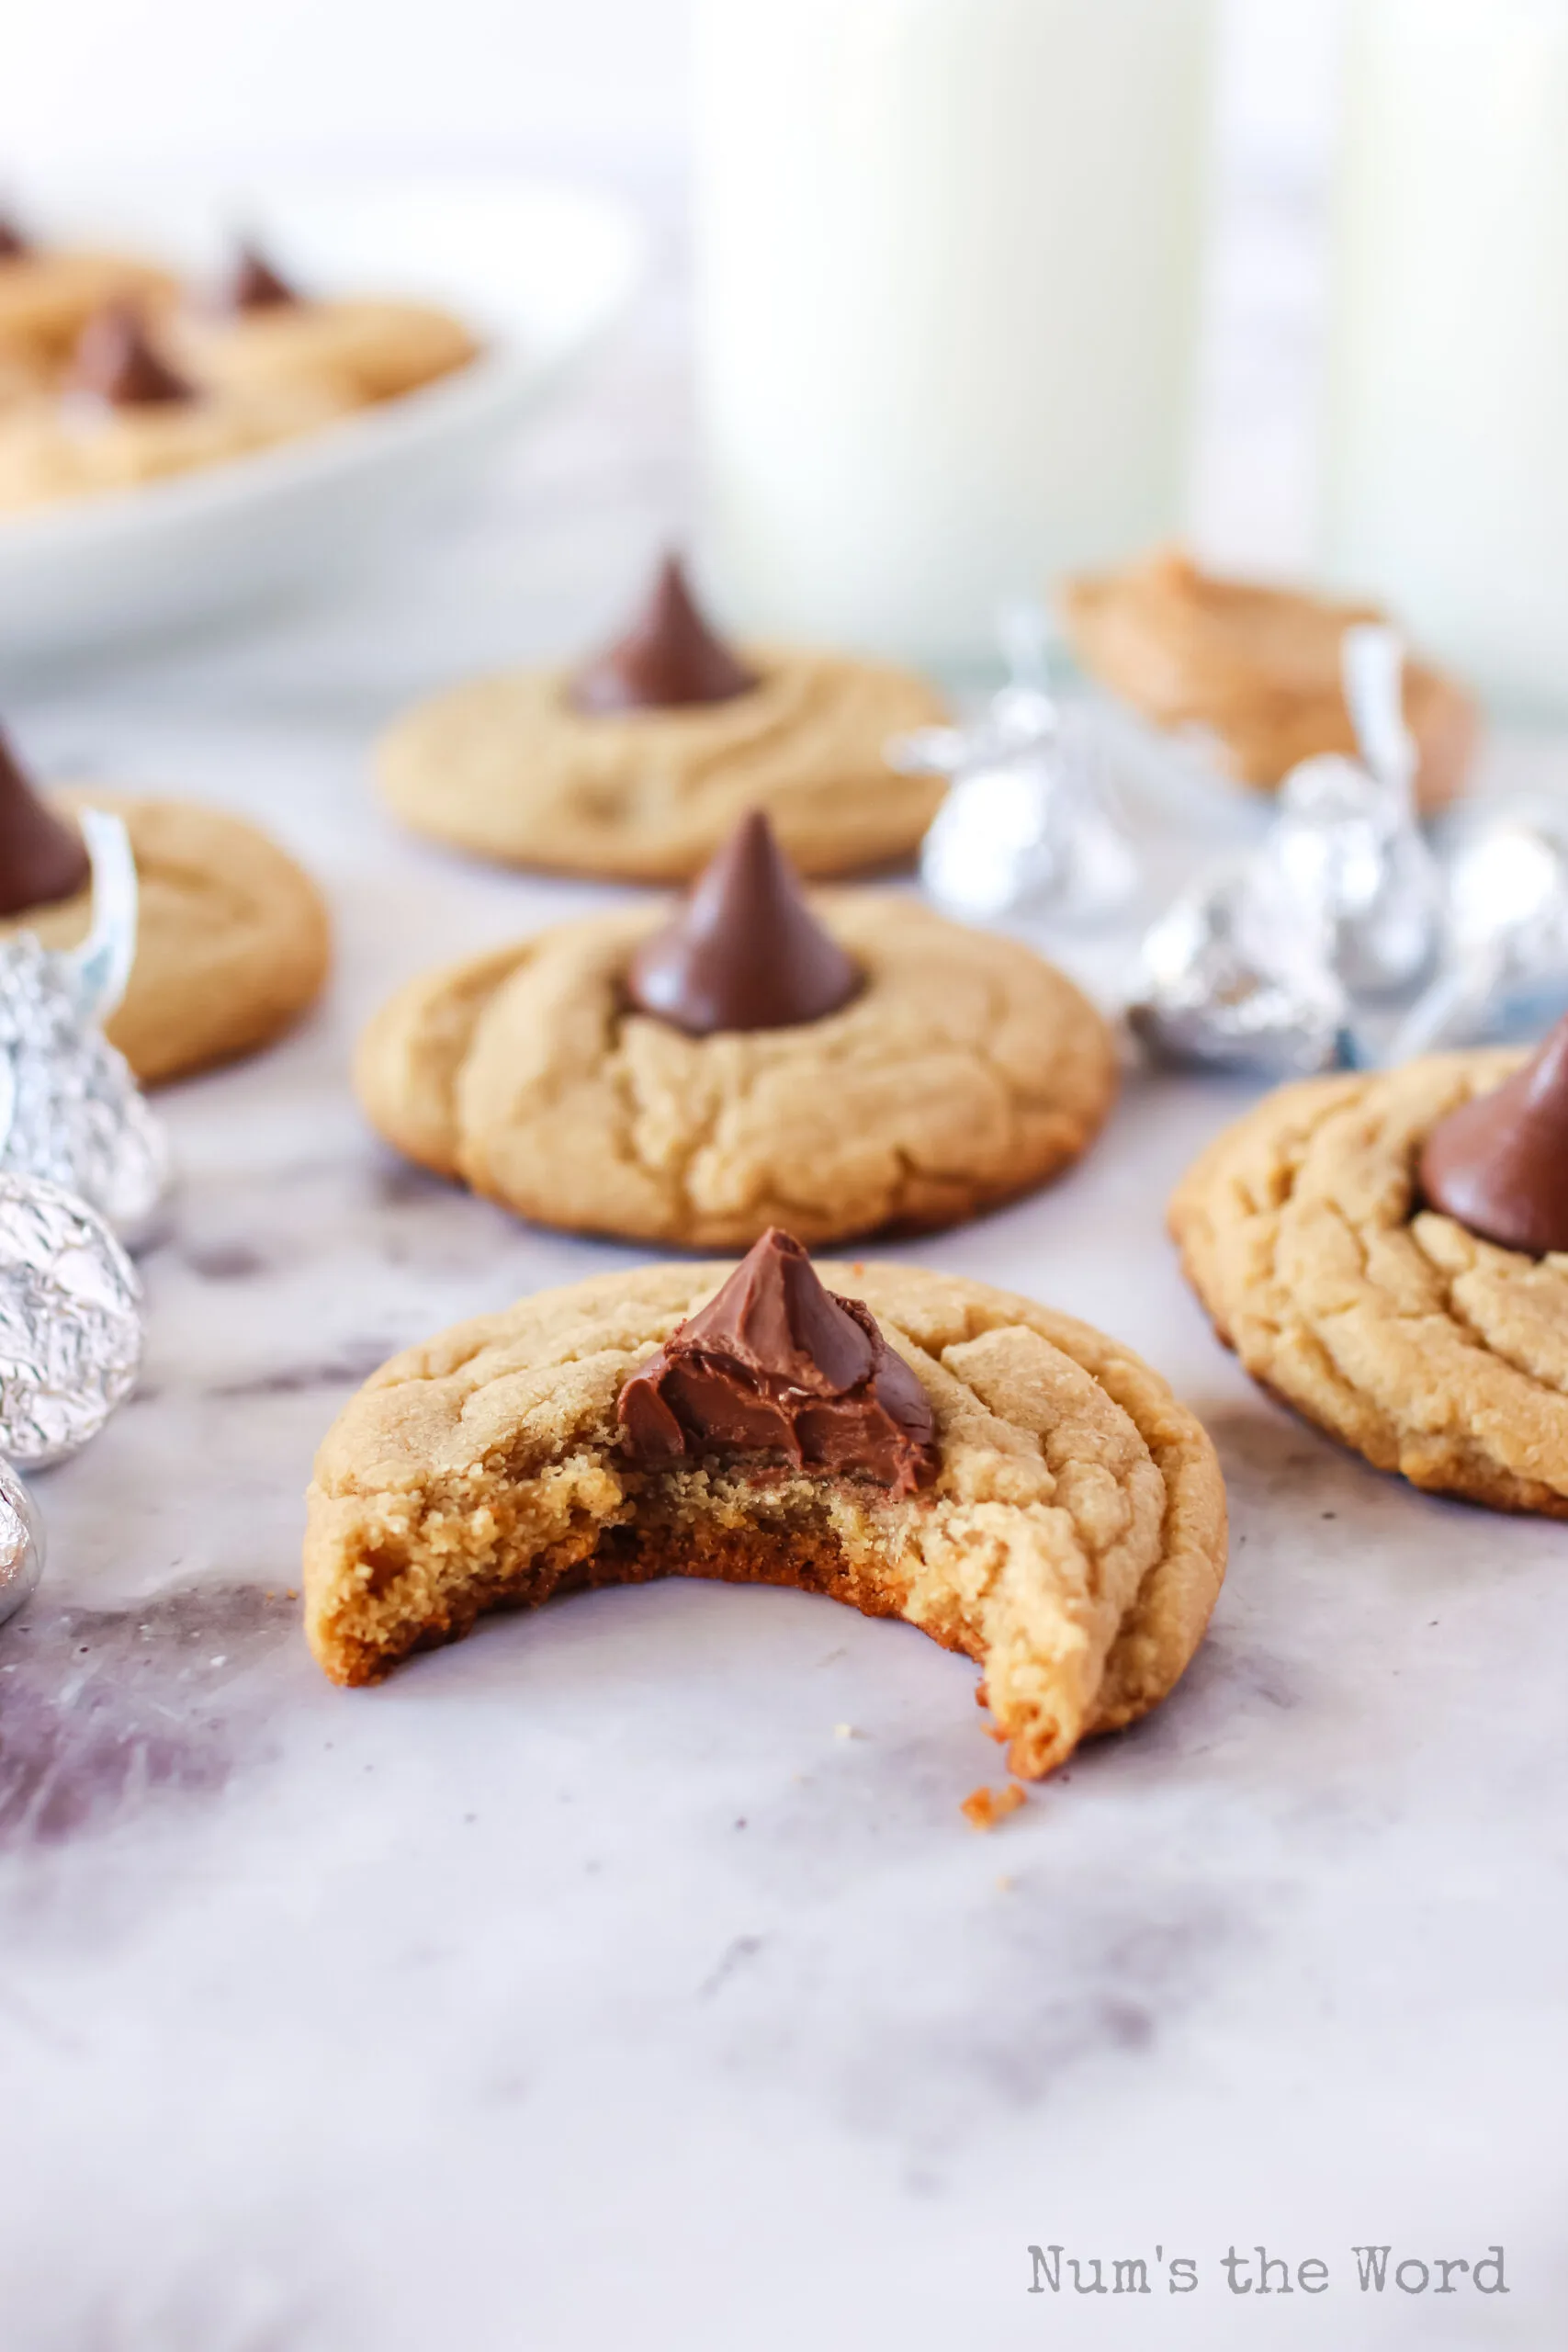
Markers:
(1072, 1544)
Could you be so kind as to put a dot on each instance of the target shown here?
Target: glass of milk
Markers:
(1446, 450)
(949, 263)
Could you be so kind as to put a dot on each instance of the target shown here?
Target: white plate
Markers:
(537, 272)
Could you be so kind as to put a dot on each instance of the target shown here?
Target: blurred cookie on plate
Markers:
(47, 294)
(638, 764)
(266, 335)
(127, 415)
(233, 942)
(1251, 670)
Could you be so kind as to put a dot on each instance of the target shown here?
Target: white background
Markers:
(230, 87)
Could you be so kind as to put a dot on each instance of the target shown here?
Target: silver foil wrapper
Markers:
(21, 1543)
(1504, 968)
(70, 1322)
(70, 1109)
(1279, 964)
(1028, 827)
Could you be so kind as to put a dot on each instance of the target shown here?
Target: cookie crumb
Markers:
(845, 1731)
(989, 1808)
(1005, 1885)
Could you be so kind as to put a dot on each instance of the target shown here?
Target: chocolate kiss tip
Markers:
(42, 860)
(116, 362)
(668, 660)
(776, 1363)
(1499, 1165)
(255, 285)
(14, 246)
(746, 951)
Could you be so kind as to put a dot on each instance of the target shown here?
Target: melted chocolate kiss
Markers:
(745, 952)
(254, 285)
(40, 859)
(669, 658)
(1499, 1165)
(115, 362)
(777, 1364)
(14, 246)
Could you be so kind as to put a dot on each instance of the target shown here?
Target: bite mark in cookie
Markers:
(1070, 1537)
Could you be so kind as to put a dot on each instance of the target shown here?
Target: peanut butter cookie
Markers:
(639, 765)
(1021, 1489)
(1429, 1348)
(963, 1071)
(233, 943)
(1254, 669)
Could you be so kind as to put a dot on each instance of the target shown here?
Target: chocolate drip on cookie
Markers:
(745, 951)
(254, 285)
(776, 1364)
(14, 246)
(668, 660)
(118, 364)
(42, 860)
(1499, 1165)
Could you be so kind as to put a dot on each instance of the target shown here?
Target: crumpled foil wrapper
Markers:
(21, 1543)
(1028, 827)
(70, 1322)
(1287, 963)
(70, 1109)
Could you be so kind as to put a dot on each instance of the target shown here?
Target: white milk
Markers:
(1446, 457)
(948, 265)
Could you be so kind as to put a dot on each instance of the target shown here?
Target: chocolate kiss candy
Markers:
(254, 285)
(669, 658)
(745, 952)
(115, 363)
(1499, 1165)
(777, 1364)
(42, 860)
(14, 246)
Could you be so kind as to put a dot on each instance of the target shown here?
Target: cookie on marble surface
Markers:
(1022, 1488)
(266, 334)
(1255, 669)
(637, 767)
(1311, 1233)
(233, 943)
(946, 1071)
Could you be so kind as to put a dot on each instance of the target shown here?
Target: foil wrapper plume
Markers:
(21, 1544)
(1290, 961)
(70, 1322)
(1027, 827)
(70, 1109)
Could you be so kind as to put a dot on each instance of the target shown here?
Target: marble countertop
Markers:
(584, 1986)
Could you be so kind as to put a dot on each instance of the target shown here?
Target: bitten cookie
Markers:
(1312, 1233)
(632, 1075)
(1021, 1489)
(637, 767)
(233, 942)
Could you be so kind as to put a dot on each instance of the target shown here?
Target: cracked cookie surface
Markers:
(966, 1071)
(507, 767)
(1428, 1350)
(233, 942)
(1072, 1543)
